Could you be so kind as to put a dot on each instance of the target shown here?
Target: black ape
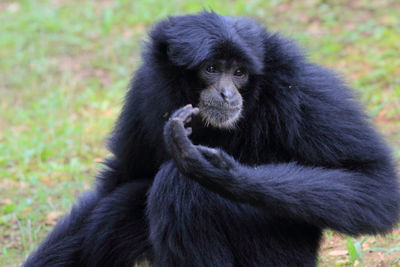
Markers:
(278, 152)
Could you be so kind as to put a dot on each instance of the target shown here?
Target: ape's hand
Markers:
(197, 161)
(217, 158)
(176, 134)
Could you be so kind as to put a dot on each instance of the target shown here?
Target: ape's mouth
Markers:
(223, 108)
(220, 116)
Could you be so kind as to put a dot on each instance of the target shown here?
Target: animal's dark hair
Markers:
(301, 134)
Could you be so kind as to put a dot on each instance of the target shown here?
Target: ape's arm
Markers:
(349, 201)
(106, 230)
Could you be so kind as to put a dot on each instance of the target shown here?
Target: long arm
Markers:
(346, 201)
(61, 246)
(362, 196)
(110, 230)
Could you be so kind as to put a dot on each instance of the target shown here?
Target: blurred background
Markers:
(65, 66)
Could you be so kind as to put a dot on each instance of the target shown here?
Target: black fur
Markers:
(302, 158)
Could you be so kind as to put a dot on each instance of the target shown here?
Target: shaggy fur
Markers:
(302, 158)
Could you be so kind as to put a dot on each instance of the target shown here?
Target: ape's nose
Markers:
(227, 94)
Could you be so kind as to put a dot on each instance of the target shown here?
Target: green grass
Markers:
(65, 65)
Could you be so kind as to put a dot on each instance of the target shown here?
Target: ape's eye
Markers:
(211, 69)
(239, 72)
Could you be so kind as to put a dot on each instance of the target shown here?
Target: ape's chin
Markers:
(223, 118)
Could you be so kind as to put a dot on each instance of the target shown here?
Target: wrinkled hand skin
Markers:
(194, 161)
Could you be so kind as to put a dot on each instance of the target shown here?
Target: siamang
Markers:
(263, 151)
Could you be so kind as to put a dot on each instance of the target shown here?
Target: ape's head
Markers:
(220, 101)
(218, 56)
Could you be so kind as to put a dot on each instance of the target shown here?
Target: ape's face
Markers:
(220, 101)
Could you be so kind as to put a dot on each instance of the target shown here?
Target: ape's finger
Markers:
(188, 116)
(180, 140)
(196, 111)
(185, 113)
(207, 151)
(212, 155)
(180, 113)
(217, 157)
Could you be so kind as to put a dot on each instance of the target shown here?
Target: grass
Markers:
(65, 66)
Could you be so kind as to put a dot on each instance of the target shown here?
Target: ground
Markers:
(65, 65)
